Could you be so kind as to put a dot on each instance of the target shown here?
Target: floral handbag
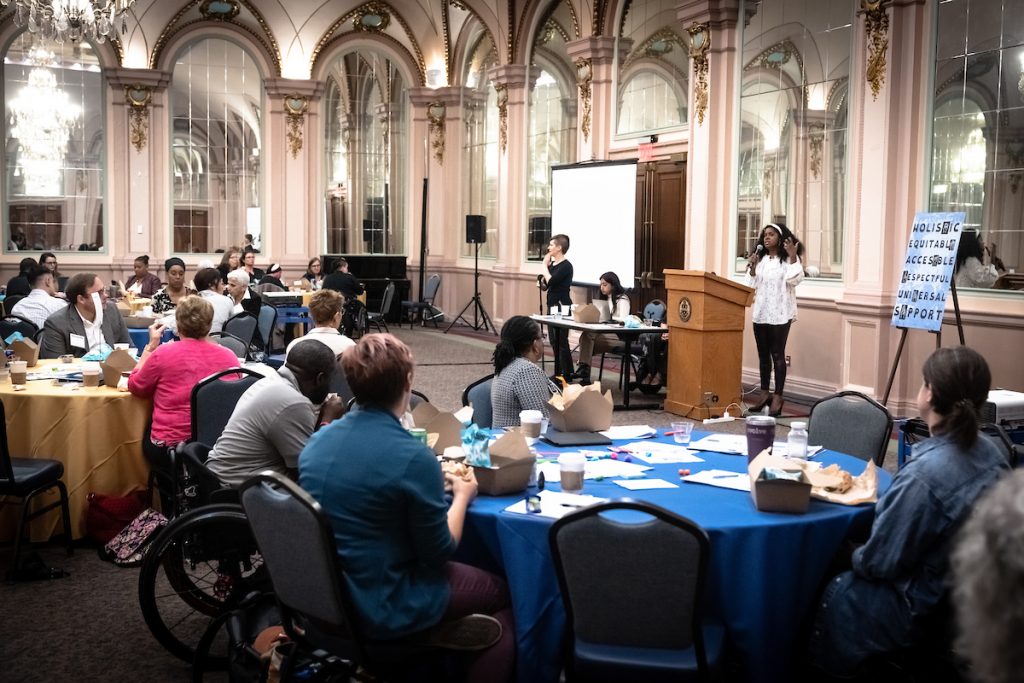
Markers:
(128, 547)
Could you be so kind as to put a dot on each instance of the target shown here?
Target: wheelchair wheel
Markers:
(203, 563)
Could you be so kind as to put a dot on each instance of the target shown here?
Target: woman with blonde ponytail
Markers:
(899, 576)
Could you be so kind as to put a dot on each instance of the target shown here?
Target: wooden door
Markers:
(661, 211)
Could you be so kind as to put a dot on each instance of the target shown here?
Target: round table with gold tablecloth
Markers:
(95, 432)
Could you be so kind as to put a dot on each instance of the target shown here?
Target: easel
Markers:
(938, 341)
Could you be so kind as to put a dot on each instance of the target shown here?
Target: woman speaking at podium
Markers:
(774, 270)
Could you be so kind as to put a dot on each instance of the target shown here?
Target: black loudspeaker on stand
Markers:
(476, 233)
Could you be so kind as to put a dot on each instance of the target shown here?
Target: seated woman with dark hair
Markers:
(168, 372)
(899, 575)
(175, 290)
(143, 282)
(519, 384)
(383, 491)
(614, 294)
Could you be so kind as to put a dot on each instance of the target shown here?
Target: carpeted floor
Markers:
(88, 626)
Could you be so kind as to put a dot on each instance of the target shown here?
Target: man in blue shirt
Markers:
(383, 491)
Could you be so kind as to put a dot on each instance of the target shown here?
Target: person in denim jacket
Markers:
(899, 576)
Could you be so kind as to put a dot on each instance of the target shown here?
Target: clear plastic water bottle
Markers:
(796, 445)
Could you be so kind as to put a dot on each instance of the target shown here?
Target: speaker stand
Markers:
(480, 317)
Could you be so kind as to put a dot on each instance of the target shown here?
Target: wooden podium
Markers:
(705, 350)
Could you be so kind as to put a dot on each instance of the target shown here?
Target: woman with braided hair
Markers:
(898, 577)
(519, 383)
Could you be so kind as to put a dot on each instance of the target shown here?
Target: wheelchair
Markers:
(202, 564)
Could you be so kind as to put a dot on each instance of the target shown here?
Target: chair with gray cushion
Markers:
(244, 326)
(852, 423)
(654, 630)
(266, 325)
(478, 395)
(301, 558)
(232, 343)
(377, 319)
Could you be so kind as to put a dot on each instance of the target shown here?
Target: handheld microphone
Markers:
(759, 249)
(541, 284)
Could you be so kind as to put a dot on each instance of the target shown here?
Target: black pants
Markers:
(771, 352)
(559, 338)
(163, 476)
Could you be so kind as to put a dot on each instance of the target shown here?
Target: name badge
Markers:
(78, 340)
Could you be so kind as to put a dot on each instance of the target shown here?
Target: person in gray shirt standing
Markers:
(276, 416)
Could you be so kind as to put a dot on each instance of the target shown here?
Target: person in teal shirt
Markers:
(384, 493)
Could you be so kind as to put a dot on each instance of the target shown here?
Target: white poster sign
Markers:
(928, 270)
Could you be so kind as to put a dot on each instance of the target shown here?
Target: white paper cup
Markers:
(530, 420)
(570, 466)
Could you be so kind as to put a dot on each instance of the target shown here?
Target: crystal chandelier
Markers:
(72, 20)
(42, 117)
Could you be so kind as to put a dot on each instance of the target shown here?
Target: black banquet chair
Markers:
(377, 320)
(213, 400)
(26, 478)
(300, 556)
(654, 630)
(851, 423)
(423, 309)
(11, 323)
(244, 326)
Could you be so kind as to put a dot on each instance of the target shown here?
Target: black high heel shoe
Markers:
(761, 401)
(777, 403)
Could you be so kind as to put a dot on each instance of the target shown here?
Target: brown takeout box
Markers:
(138, 321)
(445, 425)
(117, 362)
(27, 350)
(586, 313)
(511, 466)
(778, 495)
(590, 412)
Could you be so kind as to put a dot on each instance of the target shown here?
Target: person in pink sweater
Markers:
(167, 373)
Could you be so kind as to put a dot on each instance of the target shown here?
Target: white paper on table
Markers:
(556, 504)
(722, 443)
(781, 448)
(725, 479)
(658, 453)
(645, 484)
(629, 432)
(464, 414)
(605, 468)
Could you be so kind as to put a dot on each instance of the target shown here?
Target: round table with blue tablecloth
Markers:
(764, 571)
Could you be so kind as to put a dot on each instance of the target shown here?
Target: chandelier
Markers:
(61, 20)
(42, 116)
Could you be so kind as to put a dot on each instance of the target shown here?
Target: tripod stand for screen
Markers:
(480, 317)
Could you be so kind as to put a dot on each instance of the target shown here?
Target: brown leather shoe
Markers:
(777, 403)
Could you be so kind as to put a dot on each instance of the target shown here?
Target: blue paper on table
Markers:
(476, 444)
(15, 337)
(99, 355)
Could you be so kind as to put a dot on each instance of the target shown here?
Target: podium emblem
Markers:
(685, 309)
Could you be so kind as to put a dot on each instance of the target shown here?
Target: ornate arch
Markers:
(263, 40)
(331, 38)
(109, 53)
(461, 48)
(411, 69)
(534, 15)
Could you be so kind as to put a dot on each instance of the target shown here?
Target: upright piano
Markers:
(375, 271)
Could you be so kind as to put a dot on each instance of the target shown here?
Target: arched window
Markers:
(54, 141)
(365, 156)
(551, 139)
(216, 102)
(480, 149)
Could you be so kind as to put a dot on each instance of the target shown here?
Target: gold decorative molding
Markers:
(700, 43)
(371, 17)
(816, 136)
(502, 90)
(584, 79)
(138, 98)
(295, 107)
(876, 27)
(436, 118)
